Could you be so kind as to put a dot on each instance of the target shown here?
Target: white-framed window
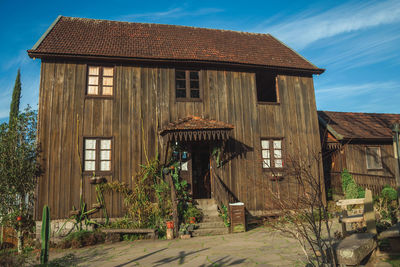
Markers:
(97, 154)
(272, 153)
(100, 81)
(373, 157)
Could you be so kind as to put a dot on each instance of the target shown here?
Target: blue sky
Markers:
(357, 42)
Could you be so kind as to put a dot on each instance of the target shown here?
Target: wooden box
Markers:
(238, 217)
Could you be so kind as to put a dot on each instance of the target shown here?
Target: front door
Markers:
(201, 170)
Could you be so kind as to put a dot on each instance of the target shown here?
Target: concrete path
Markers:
(258, 247)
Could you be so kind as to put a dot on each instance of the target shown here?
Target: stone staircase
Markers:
(211, 224)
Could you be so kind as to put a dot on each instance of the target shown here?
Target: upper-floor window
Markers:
(266, 87)
(100, 81)
(374, 160)
(271, 153)
(187, 85)
(97, 154)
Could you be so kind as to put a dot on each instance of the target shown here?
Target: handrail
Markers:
(219, 191)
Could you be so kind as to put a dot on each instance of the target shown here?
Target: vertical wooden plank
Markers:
(67, 138)
(136, 133)
(113, 201)
(237, 135)
(45, 117)
(56, 133)
(37, 205)
(78, 133)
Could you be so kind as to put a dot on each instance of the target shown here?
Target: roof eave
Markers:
(34, 54)
(45, 33)
(338, 136)
(367, 139)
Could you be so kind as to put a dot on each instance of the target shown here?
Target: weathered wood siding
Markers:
(353, 158)
(356, 161)
(145, 97)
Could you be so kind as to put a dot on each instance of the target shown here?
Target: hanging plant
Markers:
(216, 153)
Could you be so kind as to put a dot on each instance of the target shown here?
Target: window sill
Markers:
(99, 97)
(268, 103)
(97, 173)
(188, 100)
(274, 170)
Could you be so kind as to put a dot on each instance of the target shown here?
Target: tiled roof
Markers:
(197, 123)
(102, 38)
(350, 125)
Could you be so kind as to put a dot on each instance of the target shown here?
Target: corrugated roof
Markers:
(70, 36)
(352, 125)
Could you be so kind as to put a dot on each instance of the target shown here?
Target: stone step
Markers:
(214, 231)
(214, 218)
(208, 208)
(211, 224)
(206, 204)
(210, 213)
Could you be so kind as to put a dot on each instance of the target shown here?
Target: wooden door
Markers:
(201, 185)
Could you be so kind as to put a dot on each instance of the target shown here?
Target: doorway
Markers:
(201, 185)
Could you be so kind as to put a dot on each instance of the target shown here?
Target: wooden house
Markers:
(117, 92)
(363, 144)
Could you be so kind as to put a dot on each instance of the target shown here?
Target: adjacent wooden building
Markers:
(113, 93)
(363, 144)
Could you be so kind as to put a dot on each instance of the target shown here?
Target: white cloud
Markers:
(367, 97)
(305, 28)
(361, 50)
(18, 61)
(172, 13)
(344, 91)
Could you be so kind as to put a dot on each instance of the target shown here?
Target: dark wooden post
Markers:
(396, 148)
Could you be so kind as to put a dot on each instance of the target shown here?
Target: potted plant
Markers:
(170, 224)
(192, 214)
(185, 230)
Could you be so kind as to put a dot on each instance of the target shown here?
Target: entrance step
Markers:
(214, 231)
(211, 219)
(212, 223)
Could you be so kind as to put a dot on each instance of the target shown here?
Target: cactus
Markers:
(45, 235)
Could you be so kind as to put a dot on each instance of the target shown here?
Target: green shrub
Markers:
(192, 211)
(349, 186)
(388, 193)
(11, 258)
(386, 206)
(82, 238)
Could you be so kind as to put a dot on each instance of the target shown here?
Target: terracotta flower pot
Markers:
(170, 225)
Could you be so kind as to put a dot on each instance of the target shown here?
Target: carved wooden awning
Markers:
(195, 129)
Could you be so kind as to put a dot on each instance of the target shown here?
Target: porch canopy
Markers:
(196, 128)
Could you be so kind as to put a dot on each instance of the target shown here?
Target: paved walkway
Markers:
(258, 247)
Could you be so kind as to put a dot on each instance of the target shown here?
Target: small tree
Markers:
(19, 170)
(304, 215)
(16, 98)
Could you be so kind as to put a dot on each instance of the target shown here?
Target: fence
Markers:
(375, 183)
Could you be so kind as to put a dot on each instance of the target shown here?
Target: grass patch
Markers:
(81, 239)
(394, 260)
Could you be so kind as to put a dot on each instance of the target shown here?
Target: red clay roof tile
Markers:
(197, 123)
(353, 125)
(89, 37)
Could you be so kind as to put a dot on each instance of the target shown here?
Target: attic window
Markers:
(100, 81)
(187, 85)
(373, 155)
(266, 87)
